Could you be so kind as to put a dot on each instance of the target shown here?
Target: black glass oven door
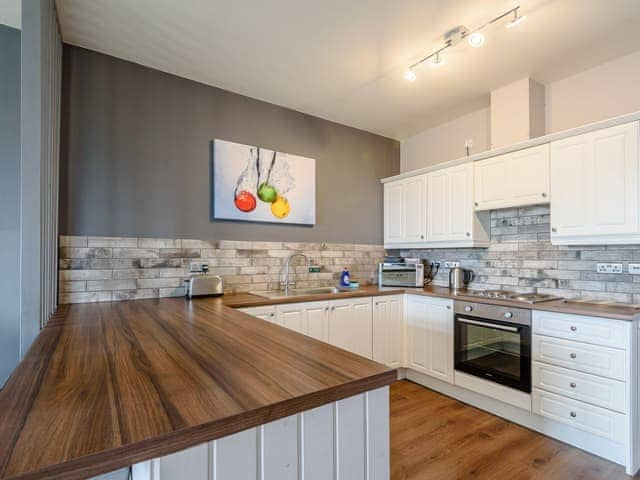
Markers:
(493, 350)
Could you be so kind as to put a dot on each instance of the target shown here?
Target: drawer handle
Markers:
(573, 328)
(572, 355)
(573, 414)
(544, 195)
(572, 384)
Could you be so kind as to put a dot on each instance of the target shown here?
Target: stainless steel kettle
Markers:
(459, 278)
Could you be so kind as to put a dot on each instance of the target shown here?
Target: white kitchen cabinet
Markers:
(309, 318)
(430, 336)
(512, 180)
(267, 313)
(350, 325)
(451, 220)
(594, 187)
(405, 211)
(388, 345)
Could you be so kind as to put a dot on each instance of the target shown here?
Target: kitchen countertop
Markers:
(106, 385)
(616, 312)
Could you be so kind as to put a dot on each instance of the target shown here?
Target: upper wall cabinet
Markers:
(434, 210)
(405, 211)
(594, 187)
(513, 179)
(451, 221)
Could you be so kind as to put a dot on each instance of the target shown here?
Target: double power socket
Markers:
(633, 269)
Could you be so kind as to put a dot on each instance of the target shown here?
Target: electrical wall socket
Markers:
(451, 264)
(634, 268)
(609, 268)
(198, 266)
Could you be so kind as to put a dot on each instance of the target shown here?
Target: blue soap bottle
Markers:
(344, 278)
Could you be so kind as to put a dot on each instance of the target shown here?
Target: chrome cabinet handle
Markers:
(544, 195)
(421, 237)
(333, 308)
(572, 355)
(326, 309)
(468, 234)
(554, 230)
(573, 328)
(448, 307)
(572, 384)
(573, 414)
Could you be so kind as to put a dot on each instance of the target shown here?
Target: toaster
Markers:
(203, 286)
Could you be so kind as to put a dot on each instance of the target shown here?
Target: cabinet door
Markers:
(595, 178)
(438, 203)
(387, 330)
(264, 313)
(615, 173)
(460, 198)
(440, 339)
(394, 212)
(417, 314)
(350, 325)
(414, 209)
(570, 185)
(490, 183)
(291, 316)
(430, 336)
(527, 172)
(317, 321)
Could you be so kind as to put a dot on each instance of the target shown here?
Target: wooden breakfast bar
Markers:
(109, 385)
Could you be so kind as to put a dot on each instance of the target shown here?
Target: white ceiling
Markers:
(343, 60)
(11, 13)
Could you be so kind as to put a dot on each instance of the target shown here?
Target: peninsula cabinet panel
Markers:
(347, 439)
(512, 180)
(595, 191)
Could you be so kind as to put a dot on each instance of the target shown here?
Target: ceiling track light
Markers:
(475, 38)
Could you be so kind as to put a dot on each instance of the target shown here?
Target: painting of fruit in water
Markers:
(260, 185)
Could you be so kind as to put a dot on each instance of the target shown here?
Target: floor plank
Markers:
(435, 437)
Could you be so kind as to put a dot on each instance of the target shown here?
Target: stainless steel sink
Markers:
(299, 292)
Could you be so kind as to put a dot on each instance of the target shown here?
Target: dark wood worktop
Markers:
(106, 385)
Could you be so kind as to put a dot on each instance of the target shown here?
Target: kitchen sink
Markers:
(299, 292)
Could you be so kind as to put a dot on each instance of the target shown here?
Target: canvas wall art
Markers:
(260, 185)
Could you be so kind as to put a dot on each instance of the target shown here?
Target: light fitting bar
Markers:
(463, 32)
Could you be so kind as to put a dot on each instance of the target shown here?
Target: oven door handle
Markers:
(488, 325)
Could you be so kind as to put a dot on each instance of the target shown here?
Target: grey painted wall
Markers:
(9, 200)
(135, 157)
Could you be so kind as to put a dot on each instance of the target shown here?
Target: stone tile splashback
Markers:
(521, 258)
(102, 269)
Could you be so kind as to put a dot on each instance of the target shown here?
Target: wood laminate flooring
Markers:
(435, 437)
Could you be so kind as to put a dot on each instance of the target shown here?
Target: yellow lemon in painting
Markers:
(280, 208)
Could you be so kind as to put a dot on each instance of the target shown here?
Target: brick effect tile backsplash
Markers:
(98, 269)
(521, 258)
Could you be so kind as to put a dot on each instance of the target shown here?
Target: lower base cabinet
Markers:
(350, 325)
(388, 322)
(430, 336)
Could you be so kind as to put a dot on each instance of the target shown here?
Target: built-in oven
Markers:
(493, 342)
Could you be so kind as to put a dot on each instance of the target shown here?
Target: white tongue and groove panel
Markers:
(345, 440)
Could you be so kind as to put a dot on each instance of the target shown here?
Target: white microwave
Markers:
(401, 275)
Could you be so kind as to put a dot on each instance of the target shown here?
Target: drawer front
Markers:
(599, 391)
(595, 420)
(598, 331)
(603, 361)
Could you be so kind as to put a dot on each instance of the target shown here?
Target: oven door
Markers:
(494, 350)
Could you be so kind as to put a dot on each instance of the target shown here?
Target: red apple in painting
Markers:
(245, 201)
